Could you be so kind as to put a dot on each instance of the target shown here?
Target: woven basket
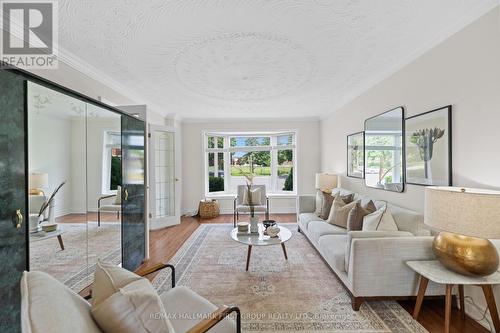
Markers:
(208, 209)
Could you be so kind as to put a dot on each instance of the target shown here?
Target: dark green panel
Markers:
(13, 252)
(133, 194)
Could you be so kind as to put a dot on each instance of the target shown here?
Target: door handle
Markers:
(17, 219)
(176, 179)
(125, 195)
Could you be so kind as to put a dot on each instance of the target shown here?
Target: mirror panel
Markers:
(103, 186)
(56, 155)
(384, 151)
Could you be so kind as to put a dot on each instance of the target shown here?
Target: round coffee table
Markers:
(261, 240)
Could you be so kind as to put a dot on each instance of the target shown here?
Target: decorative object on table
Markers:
(48, 227)
(242, 227)
(356, 155)
(250, 199)
(34, 223)
(428, 148)
(50, 204)
(272, 231)
(384, 151)
(208, 208)
(465, 217)
(268, 223)
(37, 182)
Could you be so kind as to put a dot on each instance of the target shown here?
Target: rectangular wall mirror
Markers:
(384, 151)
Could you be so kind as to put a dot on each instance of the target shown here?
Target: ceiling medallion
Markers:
(244, 66)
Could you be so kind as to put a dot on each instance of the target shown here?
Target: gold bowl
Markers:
(466, 255)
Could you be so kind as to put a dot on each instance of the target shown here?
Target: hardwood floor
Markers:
(164, 243)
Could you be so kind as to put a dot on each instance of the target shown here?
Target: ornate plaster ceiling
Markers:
(252, 58)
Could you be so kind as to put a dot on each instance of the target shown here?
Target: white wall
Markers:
(49, 148)
(308, 158)
(463, 71)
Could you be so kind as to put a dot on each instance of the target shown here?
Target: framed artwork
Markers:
(356, 155)
(384, 151)
(428, 148)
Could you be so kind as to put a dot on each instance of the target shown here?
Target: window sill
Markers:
(232, 196)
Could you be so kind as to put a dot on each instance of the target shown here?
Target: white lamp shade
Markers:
(326, 181)
(38, 180)
(465, 211)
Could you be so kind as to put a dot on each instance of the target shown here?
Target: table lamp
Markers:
(465, 217)
(326, 181)
(38, 181)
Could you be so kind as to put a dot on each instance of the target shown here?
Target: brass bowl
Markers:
(466, 255)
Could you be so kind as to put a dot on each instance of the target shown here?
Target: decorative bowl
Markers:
(272, 231)
(268, 223)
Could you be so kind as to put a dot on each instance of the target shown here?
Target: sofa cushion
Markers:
(45, 301)
(357, 213)
(408, 220)
(135, 308)
(185, 309)
(333, 248)
(320, 228)
(108, 279)
(326, 205)
(381, 220)
(369, 234)
(306, 218)
(340, 212)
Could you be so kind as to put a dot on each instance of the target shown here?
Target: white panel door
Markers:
(164, 184)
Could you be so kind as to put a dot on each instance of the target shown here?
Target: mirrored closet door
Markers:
(74, 164)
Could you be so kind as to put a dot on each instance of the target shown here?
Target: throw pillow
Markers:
(326, 205)
(256, 195)
(380, 220)
(357, 213)
(135, 308)
(340, 212)
(348, 198)
(108, 279)
(319, 202)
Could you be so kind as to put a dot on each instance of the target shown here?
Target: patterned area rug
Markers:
(298, 295)
(83, 244)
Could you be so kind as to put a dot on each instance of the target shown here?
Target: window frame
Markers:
(106, 161)
(273, 148)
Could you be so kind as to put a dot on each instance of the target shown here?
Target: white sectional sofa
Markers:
(370, 264)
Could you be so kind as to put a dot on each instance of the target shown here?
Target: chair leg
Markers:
(98, 217)
(117, 215)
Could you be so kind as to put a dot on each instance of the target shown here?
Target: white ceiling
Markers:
(252, 58)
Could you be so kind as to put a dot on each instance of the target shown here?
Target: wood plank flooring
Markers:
(164, 243)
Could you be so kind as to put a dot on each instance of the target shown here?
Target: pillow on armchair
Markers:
(127, 303)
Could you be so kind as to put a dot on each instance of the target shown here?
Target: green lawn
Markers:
(259, 171)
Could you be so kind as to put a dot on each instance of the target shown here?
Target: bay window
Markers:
(269, 157)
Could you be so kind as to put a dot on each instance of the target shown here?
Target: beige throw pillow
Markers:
(380, 220)
(135, 308)
(256, 196)
(357, 213)
(326, 205)
(108, 279)
(340, 212)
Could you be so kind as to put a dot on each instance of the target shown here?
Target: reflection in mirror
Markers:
(384, 151)
(104, 182)
(56, 155)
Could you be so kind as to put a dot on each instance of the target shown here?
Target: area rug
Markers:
(83, 244)
(298, 295)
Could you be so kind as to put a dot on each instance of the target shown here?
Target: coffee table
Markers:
(41, 235)
(261, 240)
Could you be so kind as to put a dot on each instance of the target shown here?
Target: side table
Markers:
(434, 271)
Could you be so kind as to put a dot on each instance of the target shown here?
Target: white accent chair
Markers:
(241, 207)
(116, 206)
(47, 305)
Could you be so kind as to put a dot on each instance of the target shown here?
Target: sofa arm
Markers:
(377, 266)
(306, 204)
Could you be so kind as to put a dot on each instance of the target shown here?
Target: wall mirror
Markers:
(74, 155)
(384, 151)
